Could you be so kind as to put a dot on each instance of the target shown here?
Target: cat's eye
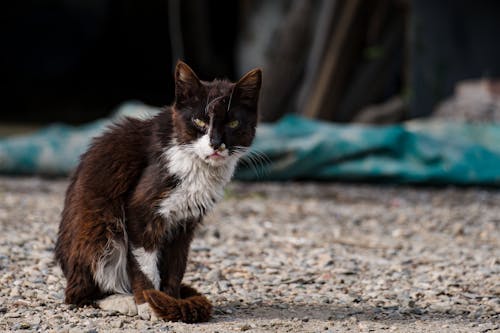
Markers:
(233, 124)
(200, 123)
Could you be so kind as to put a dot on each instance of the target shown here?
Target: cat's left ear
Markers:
(247, 89)
(187, 84)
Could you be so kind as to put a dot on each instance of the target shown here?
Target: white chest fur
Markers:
(201, 184)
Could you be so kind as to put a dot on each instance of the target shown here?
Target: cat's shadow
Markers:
(331, 312)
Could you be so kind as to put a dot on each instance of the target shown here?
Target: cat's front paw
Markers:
(188, 291)
(146, 312)
(124, 304)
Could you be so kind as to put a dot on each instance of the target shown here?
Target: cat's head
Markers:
(216, 120)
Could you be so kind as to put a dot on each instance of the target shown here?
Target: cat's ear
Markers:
(187, 84)
(247, 89)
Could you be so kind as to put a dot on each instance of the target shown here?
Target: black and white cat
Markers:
(141, 190)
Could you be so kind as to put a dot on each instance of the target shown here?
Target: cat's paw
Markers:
(146, 312)
(188, 291)
(124, 304)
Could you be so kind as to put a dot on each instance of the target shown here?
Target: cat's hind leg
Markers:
(81, 288)
(96, 273)
(124, 304)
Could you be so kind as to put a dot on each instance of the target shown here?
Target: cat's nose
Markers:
(216, 143)
(219, 146)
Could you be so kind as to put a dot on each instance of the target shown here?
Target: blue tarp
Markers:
(421, 151)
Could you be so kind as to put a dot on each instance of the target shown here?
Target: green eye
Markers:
(233, 124)
(200, 123)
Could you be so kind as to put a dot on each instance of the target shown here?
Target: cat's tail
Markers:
(191, 308)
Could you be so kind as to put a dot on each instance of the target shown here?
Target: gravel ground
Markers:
(287, 258)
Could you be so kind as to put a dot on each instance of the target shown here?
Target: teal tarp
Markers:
(297, 148)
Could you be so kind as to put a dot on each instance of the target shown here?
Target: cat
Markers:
(141, 190)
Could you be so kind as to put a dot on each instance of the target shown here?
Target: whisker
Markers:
(251, 166)
(261, 155)
(250, 157)
(258, 161)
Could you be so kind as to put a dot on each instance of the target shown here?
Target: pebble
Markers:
(22, 326)
(245, 327)
(214, 275)
(117, 323)
(223, 286)
(335, 257)
(298, 299)
(13, 315)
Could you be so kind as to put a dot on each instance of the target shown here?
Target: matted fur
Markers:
(202, 184)
(192, 308)
(111, 268)
(148, 263)
(141, 190)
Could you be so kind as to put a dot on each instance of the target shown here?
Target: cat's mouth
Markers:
(216, 156)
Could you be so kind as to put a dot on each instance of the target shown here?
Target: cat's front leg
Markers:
(177, 302)
(174, 255)
(140, 283)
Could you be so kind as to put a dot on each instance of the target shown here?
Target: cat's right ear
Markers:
(187, 84)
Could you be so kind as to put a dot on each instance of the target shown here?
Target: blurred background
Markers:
(358, 98)
(373, 62)
(364, 61)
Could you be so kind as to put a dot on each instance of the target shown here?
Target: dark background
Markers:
(75, 61)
